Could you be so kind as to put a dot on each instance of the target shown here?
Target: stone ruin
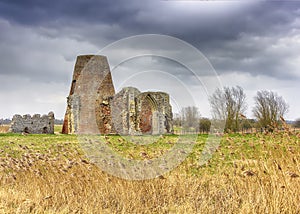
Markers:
(128, 112)
(35, 124)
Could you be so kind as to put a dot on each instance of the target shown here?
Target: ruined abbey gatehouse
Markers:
(128, 112)
(35, 124)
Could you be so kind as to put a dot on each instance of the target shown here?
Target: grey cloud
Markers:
(35, 12)
(39, 40)
(27, 54)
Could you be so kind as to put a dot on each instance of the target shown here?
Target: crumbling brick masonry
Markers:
(129, 112)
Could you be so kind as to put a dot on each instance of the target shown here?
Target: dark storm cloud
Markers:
(151, 17)
(35, 12)
(216, 34)
(39, 40)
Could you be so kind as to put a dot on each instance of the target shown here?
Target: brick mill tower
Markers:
(90, 94)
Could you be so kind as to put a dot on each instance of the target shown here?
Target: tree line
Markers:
(228, 104)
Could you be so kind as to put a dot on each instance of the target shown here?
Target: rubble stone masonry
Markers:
(92, 101)
(35, 124)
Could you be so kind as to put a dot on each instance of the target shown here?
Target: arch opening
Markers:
(45, 130)
(147, 115)
(26, 130)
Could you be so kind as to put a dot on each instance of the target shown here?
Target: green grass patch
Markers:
(232, 147)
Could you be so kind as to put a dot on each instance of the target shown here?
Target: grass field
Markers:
(255, 173)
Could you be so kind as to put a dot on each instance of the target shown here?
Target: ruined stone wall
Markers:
(35, 124)
(154, 110)
(91, 85)
(71, 120)
(134, 112)
(93, 102)
(123, 107)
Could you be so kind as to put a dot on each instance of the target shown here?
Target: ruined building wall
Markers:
(123, 107)
(128, 112)
(96, 71)
(134, 112)
(154, 113)
(35, 124)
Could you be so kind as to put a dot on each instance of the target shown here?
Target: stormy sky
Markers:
(254, 44)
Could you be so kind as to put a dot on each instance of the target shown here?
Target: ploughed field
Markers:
(250, 173)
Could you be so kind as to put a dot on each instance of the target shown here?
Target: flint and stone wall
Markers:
(135, 113)
(154, 113)
(123, 108)
(93, 102)
(35, 124)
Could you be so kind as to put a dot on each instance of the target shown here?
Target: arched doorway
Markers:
(148, 106)
(26, 130)
(45, 130)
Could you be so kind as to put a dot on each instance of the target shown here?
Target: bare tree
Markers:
(268, 109)
(228, 104)
(218, 104)
(177, 119)
(190, 117)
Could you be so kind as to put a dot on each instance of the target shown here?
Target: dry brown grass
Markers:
(65, 183)
(4, 128)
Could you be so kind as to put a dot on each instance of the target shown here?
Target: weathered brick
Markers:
(102, 111)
